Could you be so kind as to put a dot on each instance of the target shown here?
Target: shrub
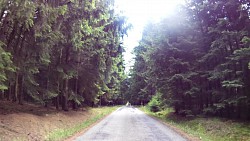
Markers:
(155, 103)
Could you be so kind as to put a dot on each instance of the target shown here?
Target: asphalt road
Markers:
(129, 124)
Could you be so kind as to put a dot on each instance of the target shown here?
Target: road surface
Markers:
(129, 124)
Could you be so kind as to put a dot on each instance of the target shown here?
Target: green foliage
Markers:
(6, 66)
(232, 84)
(61, 52)
(155, 104)
(207, 129)
(200, 62)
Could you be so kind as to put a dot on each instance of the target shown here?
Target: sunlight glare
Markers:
(139, 12)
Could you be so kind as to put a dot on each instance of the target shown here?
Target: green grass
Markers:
(207, 129)
(98, 113)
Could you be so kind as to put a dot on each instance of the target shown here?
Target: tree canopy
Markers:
(61, 52)
(197, 60)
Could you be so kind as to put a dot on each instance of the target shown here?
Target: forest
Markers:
(196, 61)
(64, 53)
(68, 53)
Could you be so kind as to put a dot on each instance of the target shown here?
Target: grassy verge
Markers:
(96, 114)
(207, 129)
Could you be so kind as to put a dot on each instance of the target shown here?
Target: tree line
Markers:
(196, 61)
(61, 52)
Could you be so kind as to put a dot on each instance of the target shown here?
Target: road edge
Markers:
(174, 128)
(87, 128)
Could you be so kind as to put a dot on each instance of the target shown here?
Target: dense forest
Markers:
(196, 61)
(61, 52)
(69, 53)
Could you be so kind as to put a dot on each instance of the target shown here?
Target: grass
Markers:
(206, 129)
(97, 114)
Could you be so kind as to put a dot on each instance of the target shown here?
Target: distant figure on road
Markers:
(128, 104)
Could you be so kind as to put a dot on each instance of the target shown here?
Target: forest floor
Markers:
(31, 122)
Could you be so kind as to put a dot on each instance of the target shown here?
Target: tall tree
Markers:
(197, 62)
(65, 52)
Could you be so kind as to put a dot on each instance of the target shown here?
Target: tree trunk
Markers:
(58, 96)
(1, 95)
(12, 35)
(58, 85)
(66, 81)
(5, 94)
(46, 101)
(16, 87)
(74, 104)
(20, 96)
(65, 96)
(9, 92)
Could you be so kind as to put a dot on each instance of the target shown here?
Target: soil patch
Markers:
(31, 122)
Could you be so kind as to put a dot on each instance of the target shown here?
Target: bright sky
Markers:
(139, 12)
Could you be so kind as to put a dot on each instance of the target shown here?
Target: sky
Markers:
(139, 12)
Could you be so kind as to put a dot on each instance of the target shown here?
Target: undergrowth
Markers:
(206, 129)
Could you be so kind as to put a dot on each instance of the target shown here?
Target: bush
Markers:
(155, 103)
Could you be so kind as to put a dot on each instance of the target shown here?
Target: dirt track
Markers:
(130, 124)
